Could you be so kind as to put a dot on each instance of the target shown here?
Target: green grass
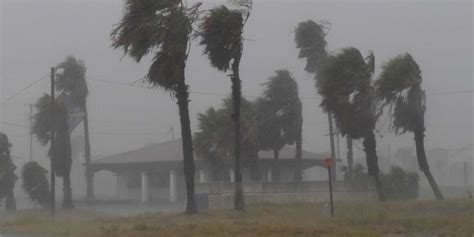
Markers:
(444, 218)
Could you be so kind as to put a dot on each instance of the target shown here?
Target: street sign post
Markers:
(328, 164)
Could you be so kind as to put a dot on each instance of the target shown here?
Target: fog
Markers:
(38, 34)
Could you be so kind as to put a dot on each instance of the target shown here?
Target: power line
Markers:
(24, 89)
(198, 92)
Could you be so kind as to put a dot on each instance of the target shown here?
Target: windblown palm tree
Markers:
(162, 28)
(73, 82)
(280, 118)
(221, 35)
(310, 39)
(60, 150)
(7, 174)
(344, 82)
(213, 142)
(399, 86)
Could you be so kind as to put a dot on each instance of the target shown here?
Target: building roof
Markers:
(172, 151)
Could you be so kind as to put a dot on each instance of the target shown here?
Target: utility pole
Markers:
(53, 133)
(31, 132)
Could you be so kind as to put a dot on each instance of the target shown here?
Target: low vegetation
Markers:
(408, 218)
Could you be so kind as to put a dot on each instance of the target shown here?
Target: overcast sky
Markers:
(38, 34)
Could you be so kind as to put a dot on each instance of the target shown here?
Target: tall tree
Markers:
(221, 35)
(213, 142)
(7, 174)
(310, 39)
(163, 28)
(344, 82)
(280, 117)
(73, 83)
(60, 151)
(399, 87)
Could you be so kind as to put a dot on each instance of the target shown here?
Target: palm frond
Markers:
(310, 40)
(221, 35)
(399, 85)
(158, 27)
(73, 79)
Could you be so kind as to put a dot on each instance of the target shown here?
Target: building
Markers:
(155, 173)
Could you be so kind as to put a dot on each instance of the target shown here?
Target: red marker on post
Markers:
(328, 164)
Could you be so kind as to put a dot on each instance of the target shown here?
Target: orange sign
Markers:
(328, 162)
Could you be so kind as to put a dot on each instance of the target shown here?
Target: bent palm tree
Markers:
(221, 34)
(163, 28)
(344, 82)
(310, 39)
(399, 86)
(60, 150)
(73, 82)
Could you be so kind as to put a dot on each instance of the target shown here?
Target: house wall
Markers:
(159, 189)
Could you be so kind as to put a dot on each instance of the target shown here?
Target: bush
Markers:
(35, 183)
(400, 184)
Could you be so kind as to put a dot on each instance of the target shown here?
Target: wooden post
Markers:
(328, 162)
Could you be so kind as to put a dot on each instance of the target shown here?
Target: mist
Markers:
(126, 114)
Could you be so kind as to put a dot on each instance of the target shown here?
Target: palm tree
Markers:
(162, 28)
(213, 142)
(7, 174)
(280, 117)
(399, 87)
(73, 83)
(60, 150)
(221, 35)
(310, 39)
(344, 82)
(35, 183)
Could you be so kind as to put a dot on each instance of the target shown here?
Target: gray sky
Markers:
(38, 34)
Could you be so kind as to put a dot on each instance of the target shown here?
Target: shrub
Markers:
(400, 184)
(35, 183)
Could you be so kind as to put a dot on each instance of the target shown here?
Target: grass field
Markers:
(422, 218)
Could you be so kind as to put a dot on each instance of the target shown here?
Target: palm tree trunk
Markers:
(299, 149)
(182, 95)
(423, 162)
(239, 203)
(276, 165)
(87, 156)
(333, 149)
(67, 192)
(10, 204)
(350, 157)
(372, 163)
